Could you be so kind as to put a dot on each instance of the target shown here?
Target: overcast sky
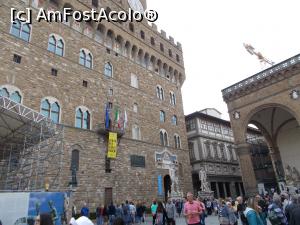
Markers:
(212, 34)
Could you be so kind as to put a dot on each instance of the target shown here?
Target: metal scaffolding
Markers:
(31, 149)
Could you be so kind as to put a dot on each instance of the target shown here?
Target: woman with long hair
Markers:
(252, 212)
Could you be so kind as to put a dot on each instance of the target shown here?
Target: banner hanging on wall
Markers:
(112, 145)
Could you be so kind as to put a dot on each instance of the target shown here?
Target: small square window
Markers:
(143, 35)
(177, 58)
(111, 92)
(117, 54)
(95, 3)
(84, 83)
(152, 41)
(17, 58)
(162, 47)
(54, 72)
(110, 105)
(108, 50)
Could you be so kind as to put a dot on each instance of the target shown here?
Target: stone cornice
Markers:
(262, 79)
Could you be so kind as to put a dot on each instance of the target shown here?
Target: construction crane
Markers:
(263, 60)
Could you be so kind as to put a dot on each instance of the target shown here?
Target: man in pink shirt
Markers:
(192, 210)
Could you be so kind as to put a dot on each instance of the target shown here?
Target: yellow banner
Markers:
(112, 145)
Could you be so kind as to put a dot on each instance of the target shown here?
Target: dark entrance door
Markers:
(108, 196)
(167, 186)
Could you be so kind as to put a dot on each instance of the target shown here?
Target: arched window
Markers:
(74, 166)
(56, 45)
(75, 160)
(172, 98)
(85, 58)
(79, 118)
(55, 112)
(160, 92)
(82, 118)
(162, 116)
(108, 70)
(163, 138)
(177, 141)
(16, 97)
(4, 92)
(12, 94)
(20, 30)
(174, 120)
(50, 109)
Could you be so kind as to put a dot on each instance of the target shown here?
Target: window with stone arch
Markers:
(174, 120)
(163, 135)
(160, 92)
(21, 30)
(172, 98)
(86, 58)
(108, 69)
(74, 166)
(11, 92)
(177, 141)
(162, 116)
(56, 45)
(83, 118)
(50, 108)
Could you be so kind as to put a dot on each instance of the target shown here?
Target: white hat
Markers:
(73, 221)
(84, 221)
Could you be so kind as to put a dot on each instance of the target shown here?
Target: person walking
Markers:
(111, 213)
(126, 213)
(171, 210)
(160, 215)
(153, 211)
(85, 211)
(192, 210)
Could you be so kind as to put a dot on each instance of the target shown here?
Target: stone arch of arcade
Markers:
(270, 100)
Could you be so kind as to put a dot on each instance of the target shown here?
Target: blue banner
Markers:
(160, 185)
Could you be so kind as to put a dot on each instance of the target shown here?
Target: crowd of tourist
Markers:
(281, 209)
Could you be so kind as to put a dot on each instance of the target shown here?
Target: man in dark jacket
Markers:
(111, 213)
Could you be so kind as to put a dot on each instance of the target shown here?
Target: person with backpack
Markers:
(275, 212)
(252, 212)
